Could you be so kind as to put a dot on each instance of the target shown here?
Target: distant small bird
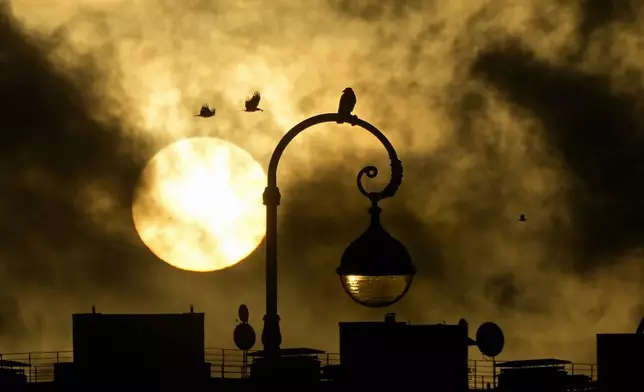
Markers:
(522, 218)
(347, 103)
(206, 111)
(252, 103)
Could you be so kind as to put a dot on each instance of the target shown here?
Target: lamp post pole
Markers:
(271, 335)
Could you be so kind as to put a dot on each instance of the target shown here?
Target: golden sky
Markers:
(461, 88)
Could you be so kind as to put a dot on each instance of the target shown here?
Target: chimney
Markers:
(192, 308)
(93, 309)
(390, 318)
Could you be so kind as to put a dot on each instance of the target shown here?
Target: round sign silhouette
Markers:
(490, 339)
(243, 313)
(244, 336)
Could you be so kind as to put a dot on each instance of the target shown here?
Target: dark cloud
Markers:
(55, 150)
(597, 132)
(597, 14)
(52, 145)
(502, 289)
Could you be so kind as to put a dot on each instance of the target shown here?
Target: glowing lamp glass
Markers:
(376, 291)
(376, 269)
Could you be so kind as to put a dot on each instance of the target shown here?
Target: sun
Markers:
(198, 204)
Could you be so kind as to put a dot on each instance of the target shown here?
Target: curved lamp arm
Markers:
(370, 171)
(271, 336)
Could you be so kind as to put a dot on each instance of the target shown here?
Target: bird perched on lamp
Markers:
(347, 103)
(252, 103)
(206, 111)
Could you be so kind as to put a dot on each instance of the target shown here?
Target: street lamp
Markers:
(375, 270)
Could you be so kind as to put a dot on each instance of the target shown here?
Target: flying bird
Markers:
(252, 103)
(522, 218)
(206, 111)
(347, 103)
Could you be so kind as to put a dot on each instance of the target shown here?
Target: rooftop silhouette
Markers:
(167, 350)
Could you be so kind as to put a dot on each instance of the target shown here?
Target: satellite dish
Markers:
(244, 336)
(640, 328)
(490, 339)
(243, 313)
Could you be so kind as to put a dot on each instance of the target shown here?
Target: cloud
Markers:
(496, 108)
(61, 160)
(598, 133)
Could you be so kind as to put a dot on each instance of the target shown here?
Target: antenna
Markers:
(490, 341)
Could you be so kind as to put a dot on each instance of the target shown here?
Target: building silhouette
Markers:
(125, 349)
(394, 351)
(154, 351)
(620, 362)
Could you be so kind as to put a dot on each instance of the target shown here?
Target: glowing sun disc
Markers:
(198, 204)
